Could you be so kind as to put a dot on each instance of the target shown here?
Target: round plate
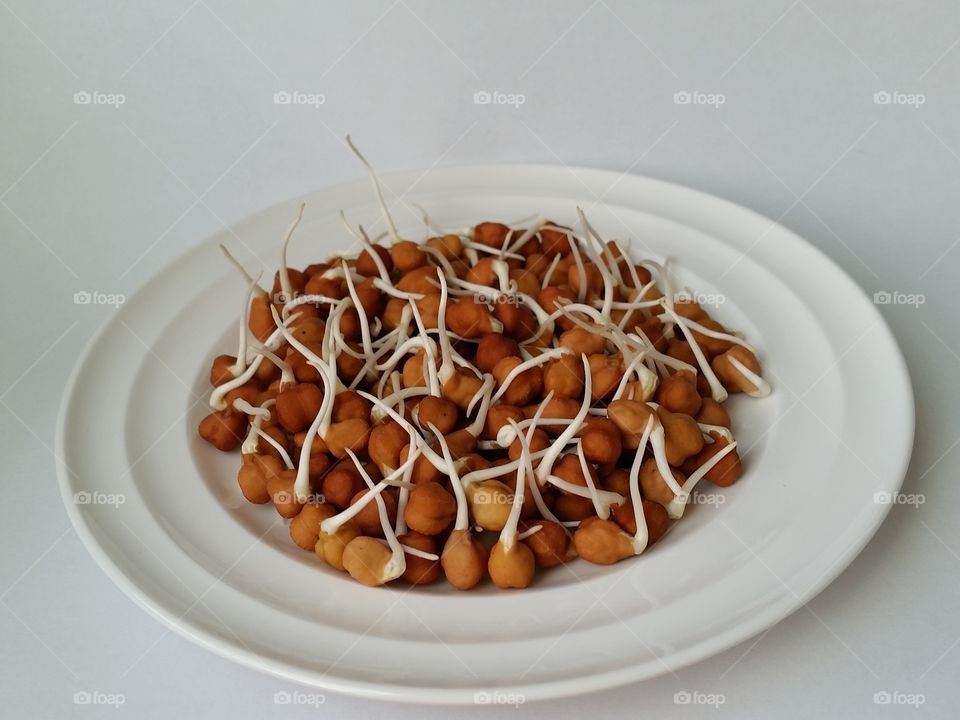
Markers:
(161, 512)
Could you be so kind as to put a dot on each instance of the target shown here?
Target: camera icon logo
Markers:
(882, 297)
(481, 698)
(682, 98)
(281, 697)
(682, 698)
(282, 97)
(482, 97)
(82, 698)
(82, 98)
(882, 97)
(82, 498)
(82, 298)
(881, 698)
(882, 497)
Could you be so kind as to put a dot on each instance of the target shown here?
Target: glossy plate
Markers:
(185, 545)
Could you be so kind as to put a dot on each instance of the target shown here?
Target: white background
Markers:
(96, 197)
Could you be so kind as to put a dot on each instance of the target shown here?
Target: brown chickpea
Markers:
(365, 558)
(618, 481)
(550, 300)
(421, 280)
(278, 434)
(350, 434)
(297, 406)
(554, 242)
(492, 348)
(601, 442)
(224, 429)
(349, 404)
(461, 388)
(524, 388)
(527, 282)
(308, 330)
(348, 367)
(281, 492)
(593, 277)
(424, 471)
(652, 484)
(319, 460)
(606, 372)
(430, 509)
(564, 376)
(655, 515)
(497, 417)
(490, 502)
(248, 392)
(726, 472)
(420, 571)
(678, 393)
(537, 264)
(682, 436)
(470, 318)
(221, 370)
(330, 547)
(305, 527)
(484, 272)
(732, 379)
(366, 264)
(631, 417)
(439, 412)
(329, 287)
(556, 407)
(464, 560)
(518, 321)
(602, 541)
(450, 246)
(713, 413)
(581, 340)
(368, 519)
(386, 441)
(341, 484)
(253, 476)
(549, 544)
(538, 441)
(573, 508)
(407, 256)
(710, 345)
(261, 319)
(513, 568)
(491, 234)
(303, 371)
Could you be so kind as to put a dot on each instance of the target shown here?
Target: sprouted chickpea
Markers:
(535, 382)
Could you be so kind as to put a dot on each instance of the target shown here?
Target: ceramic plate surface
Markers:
(186, 546)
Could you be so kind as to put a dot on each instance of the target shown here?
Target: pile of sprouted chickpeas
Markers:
(487, 402)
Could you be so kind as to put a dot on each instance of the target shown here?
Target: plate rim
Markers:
(544, 690)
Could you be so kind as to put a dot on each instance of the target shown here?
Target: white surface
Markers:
(728, 570)
(94, 197)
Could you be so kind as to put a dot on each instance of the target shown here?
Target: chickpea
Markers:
(349, 404)
(581, 340)
(564, 377)
(249, 392)
(464, 560)
(348, 367)
(365, 558)
(726, 472)
(618, 481)
(655, 515)
(606, 372)
(518, 321)
(601, 442)
(537, 264)
(387, 439)
(341, 484)
(682, 436)
(527, 282)
(538, 441)
(393, 313)
(492, 234)
(330, 287)
(298, 405)
(484, 272)
(513, 568)
(224, 429)
(280, 487)
(353, 434)
(678, 393)
(253, 476)
(602, 541)
(631, 417)
(497, 417)
(421, 280)
(220, 370)
(652, 484)
(265, 448)
(492, 348)
(653, 329)
(439, 412)
(554, 242)
(303, 371)
(524, 388)
(556, 407)
(710, 345)
(470, 318)
(414, 374)
(593, 277)
(308, 330)
(424, 471)
(261, 319)
(407, 256)
(549, 299)
(713, 413)
(430, 509)
(450, 246)
(489, 502)
(319, 460)
(549, 544)
(330, 547)
(732, 379)
(368, 519)
(305, 527)
(366, 264)
(420, 571)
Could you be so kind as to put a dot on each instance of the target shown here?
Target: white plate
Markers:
(185, 545)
